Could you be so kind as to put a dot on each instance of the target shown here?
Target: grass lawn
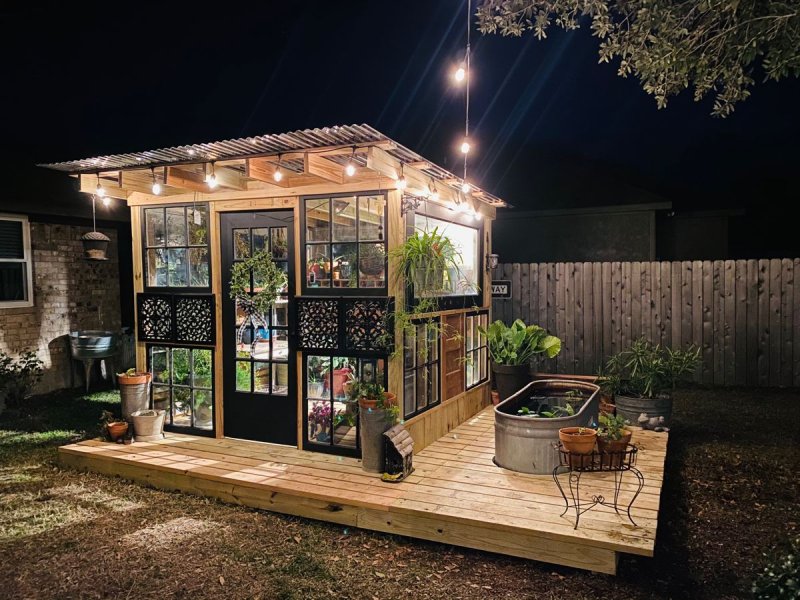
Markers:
(731, 492)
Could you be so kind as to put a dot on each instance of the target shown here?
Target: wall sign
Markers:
(501, 288)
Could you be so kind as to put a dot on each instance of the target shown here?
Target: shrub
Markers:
(780, 580)
(19, 377)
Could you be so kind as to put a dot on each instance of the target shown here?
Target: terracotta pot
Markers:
(578, 440)
(391, 400)
(495, 397)
(136, 379)
(117, 430)
(339, 379)
(606, 408)
(613, 451)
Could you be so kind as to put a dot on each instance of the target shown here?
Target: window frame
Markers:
(168, 425)
(176, 289)
(482, 345)
(27, 260)
(417, 366)
(331, 448)
(434, 211)
(304, 243)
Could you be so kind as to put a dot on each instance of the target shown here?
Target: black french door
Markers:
(259, 365)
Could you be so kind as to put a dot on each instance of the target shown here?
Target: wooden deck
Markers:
(456, 494)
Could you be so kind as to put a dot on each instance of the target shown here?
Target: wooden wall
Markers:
(743, 314)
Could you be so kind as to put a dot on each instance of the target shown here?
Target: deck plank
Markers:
(456, 494)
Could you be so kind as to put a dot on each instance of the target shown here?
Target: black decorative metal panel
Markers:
(365, 324)
(194, 319)
(318, 323)
(155, 317)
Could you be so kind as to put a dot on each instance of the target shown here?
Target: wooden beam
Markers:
(189, 180)
(88, 185)
(263, 169)
(419, 164)
(314, 164)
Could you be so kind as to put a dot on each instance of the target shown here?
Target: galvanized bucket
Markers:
(631, 408)
(373, 424)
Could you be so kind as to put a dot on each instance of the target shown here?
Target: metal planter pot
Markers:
(374, 422)
(631, 408)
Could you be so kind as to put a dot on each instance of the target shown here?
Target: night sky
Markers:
(552, 127)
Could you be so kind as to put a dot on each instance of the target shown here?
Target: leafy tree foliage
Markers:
(712, 45)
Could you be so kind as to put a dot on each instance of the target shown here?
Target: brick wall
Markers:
(69, 293)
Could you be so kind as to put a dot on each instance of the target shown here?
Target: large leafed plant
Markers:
(517, 344)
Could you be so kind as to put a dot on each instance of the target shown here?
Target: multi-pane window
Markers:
(262, 341)
(462, 279)
(421, 368)
(476, 350)
(183, 385)
(176, 246)
(345, 242)
(16, 287)
(331, 420)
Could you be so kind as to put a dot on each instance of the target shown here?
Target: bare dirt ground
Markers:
(731, 492)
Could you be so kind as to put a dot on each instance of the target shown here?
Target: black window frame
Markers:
(168, 423)
(429, 362)
(331, 448)
(483, 345)
(442, 213)
(305, 243)
(187, 247)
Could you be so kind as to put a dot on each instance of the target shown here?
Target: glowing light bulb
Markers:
(212, 181)
(106, 201)
(350, 169)
(100, 191)
(476, 214)
(465, 147)
(278, 174)
(460, 74)
(435, 195)
(402, 183)
(156, 188)
(466, 188)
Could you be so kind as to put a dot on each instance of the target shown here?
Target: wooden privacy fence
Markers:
(743, 314)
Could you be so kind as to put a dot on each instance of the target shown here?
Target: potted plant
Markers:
(644, 377)
(148, 425)
(511, 349)
(424, 259)
(578, 441)
(372, 259)
(114, 428)
(342, 371)
(613, 439)
(319, 420)
(134, 391)
(316, 377)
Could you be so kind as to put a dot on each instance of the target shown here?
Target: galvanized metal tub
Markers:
(526, 444)
(92, 344)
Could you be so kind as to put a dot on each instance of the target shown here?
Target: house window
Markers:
(176, 246)
(476, 351)
(345, 244)
(465, 280)
(421, 368)
(16, 282)
(183, 385)
(332, 421)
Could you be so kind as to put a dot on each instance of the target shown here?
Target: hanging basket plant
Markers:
(267, 281)
(425, 259)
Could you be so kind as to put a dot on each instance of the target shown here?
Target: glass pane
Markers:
(156, 267)
(371, 266)
(203, 368)
(197, 217)
(344, 424)
(319, 421)
(317, 220)
(176, 261)
(318, 266)
(433, 343)
(182, 406)
(344, 262)
(409, 388)
(434, 387)
(260, 239)
(469, 368)
(241, 314)
(198, 267)
(258, 283)
(154, 226)
(318, 376)
(180, 366)
(12, 281)
(280, 312)
(409, 343)
(243, 376)
(176, 226)
(161, 397)
(280, 379)
(244, 341)
(484, 371)
(284, 266)
(260, 346)
(12, 239)
(159, 364)
(261, 377)
(344, 219)
(203, 409)
(462, 281)
(468, 335)
(280, 345)
(280, 243)
(422, 388)
(371, 211)
(241, 244)
(343, 369)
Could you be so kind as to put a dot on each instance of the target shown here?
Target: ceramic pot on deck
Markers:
(577, 441)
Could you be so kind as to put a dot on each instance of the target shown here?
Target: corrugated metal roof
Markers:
(295, 141)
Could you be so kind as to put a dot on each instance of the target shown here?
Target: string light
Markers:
(460, 74)
(350, 168)
(401, 181)
(106, 201)
(466, 187)
(156, 186)
(278, 174)
(99, 190)
(211, 178)
(465, 147)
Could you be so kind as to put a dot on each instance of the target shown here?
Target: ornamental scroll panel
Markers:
(176, 318)
(154, 316)
(365, 324)
(317, 324)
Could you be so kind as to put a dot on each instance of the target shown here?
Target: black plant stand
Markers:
(576, 465)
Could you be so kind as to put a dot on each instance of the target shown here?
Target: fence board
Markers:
(744, 315)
